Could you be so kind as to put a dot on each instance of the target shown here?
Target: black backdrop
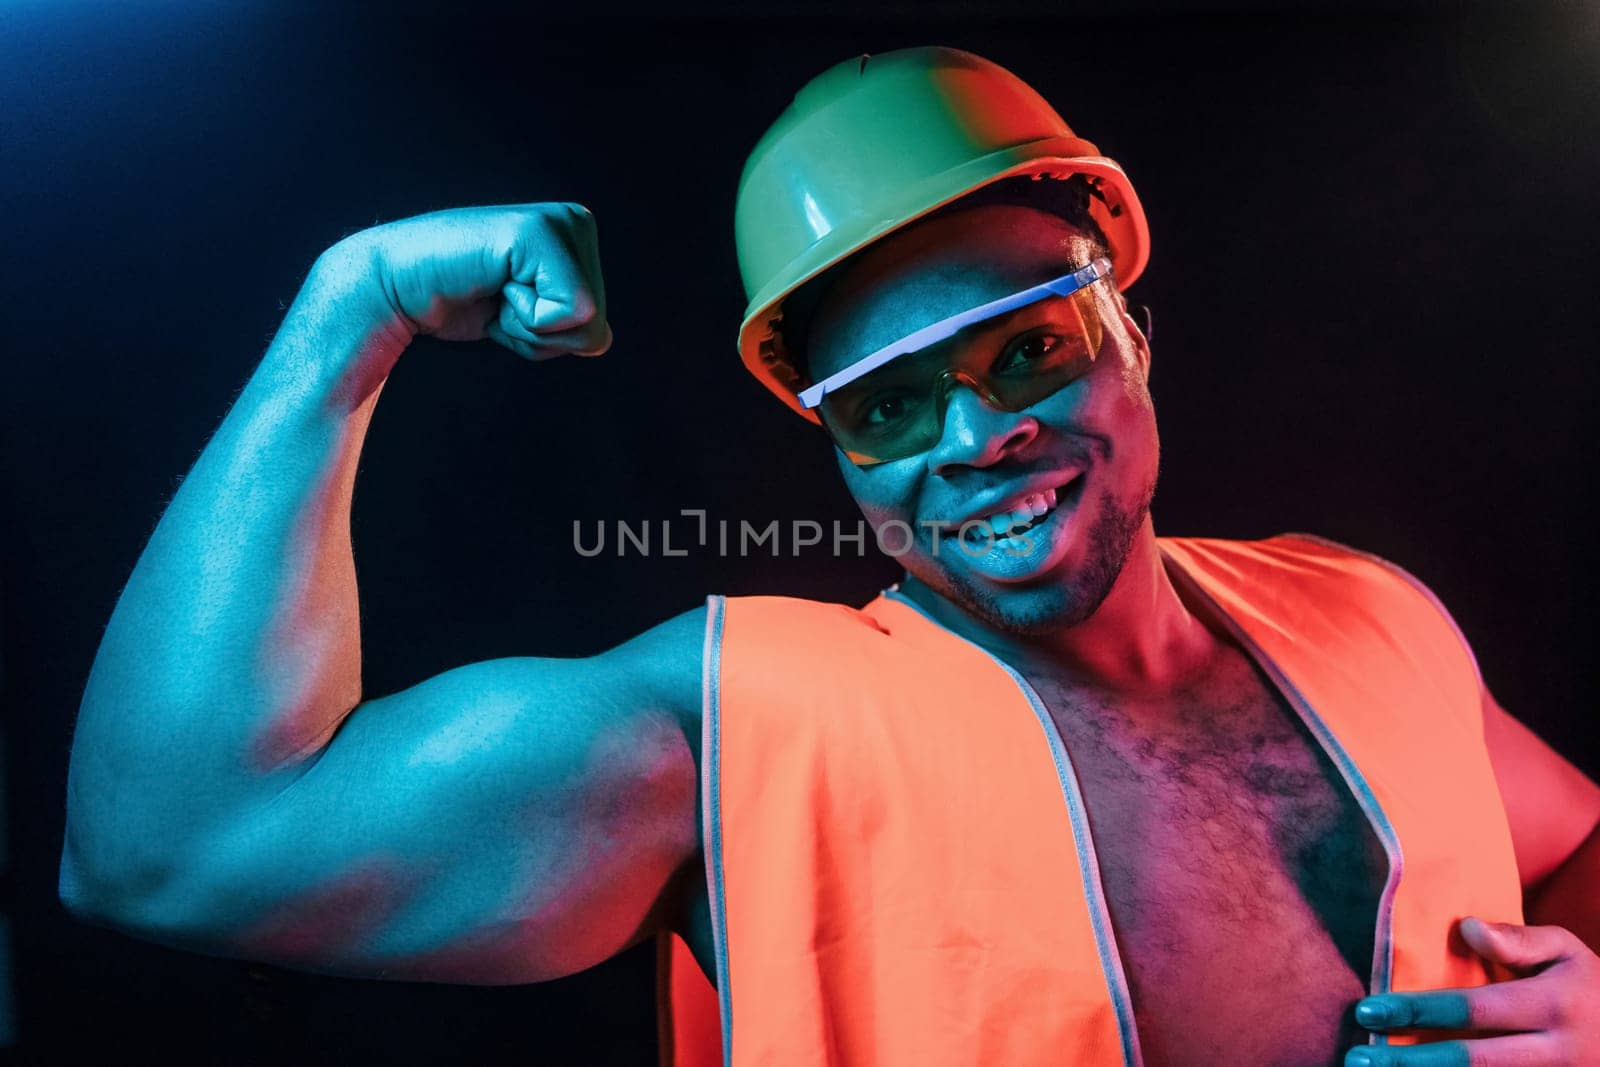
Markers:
(1372, 282)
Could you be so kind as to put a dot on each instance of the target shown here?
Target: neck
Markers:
(1143, 640)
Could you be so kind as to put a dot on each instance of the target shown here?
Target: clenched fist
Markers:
(526, 276)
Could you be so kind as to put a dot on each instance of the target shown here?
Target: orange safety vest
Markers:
(866, 911)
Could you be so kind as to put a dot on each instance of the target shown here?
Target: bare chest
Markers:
(1241, 877)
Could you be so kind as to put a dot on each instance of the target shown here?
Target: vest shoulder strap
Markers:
(1297, 589)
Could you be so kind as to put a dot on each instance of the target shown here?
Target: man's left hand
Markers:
(1548, 1014)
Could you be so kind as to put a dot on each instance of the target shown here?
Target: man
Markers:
(1070, 793)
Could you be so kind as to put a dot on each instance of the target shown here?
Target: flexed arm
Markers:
(230, 790)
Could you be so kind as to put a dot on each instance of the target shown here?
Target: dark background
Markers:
(1373, 288)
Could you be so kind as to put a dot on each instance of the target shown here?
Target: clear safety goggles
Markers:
(891, 404)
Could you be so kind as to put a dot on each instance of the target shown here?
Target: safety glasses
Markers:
(891, 404)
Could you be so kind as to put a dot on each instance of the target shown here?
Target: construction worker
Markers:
(1069, 793)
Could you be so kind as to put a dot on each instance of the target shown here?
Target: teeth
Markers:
(1028, 511)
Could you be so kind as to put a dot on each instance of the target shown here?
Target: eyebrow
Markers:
(1002, 309)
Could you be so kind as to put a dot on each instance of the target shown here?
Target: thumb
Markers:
(555, 273)
(1519, 947)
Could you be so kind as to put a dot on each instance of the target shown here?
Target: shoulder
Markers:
(1355, 589)
(663, 667)
(1308, 559)
(1374, 610)
(673, 665)
(1379, 569)
(776, 641)
(1357, 560)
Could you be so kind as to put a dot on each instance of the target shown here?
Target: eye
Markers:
(1035, 349)
(885, 410)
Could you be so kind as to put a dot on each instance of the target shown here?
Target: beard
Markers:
(1067, 601)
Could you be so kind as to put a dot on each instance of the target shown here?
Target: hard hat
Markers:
(879, 140)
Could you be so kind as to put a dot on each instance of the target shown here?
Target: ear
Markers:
(1141, 343)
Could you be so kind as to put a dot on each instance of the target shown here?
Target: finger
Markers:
(1521, 1004)
(590, 339)
(547, 258)
(587, 240)
(583, 342)
(1521, 947)
(517, 311)
(516, 344)
(1516, 1050)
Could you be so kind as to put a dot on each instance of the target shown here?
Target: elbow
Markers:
(126, 867)
(152, 894)
(90, 892)
(119, 889)
(87, 897)
(70, 889)
(121, 906)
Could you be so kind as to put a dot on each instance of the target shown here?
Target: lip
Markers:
(1049, 541)
(995, 503)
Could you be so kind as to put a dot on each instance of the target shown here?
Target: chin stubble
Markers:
(1110, 540)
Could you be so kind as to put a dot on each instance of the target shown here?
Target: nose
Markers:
(976, 433)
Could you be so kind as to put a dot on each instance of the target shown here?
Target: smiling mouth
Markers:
(1034, 509)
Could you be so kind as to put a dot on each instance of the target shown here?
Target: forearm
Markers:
(1570, 897)
(234, 650)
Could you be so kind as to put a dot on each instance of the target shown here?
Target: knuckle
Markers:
(551, 233)
(1489, 1003)
(580, 221)
(559, 213)
(1554, 1012)
(537, 223)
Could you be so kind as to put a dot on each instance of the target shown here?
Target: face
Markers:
(1093, 442)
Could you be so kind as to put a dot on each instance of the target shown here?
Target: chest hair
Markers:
(1216, 804)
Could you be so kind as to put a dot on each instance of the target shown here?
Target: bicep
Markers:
(1551, 805)
(512, 820)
